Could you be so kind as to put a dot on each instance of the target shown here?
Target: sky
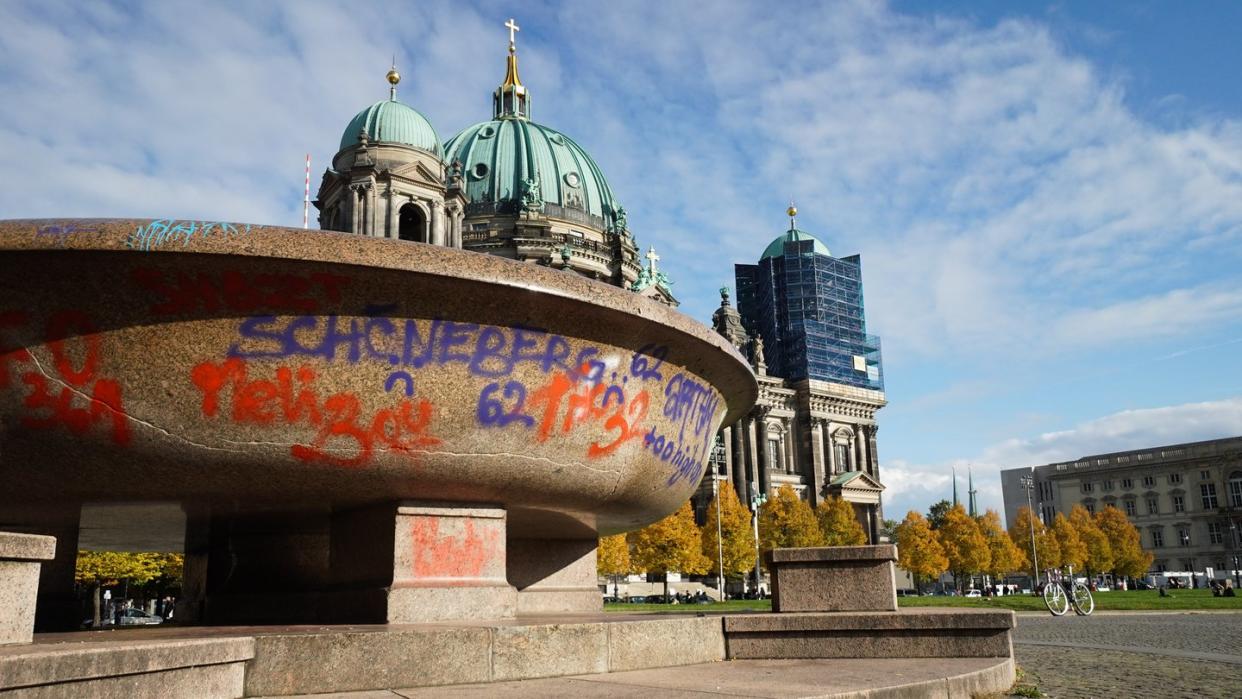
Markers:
(1047, 197)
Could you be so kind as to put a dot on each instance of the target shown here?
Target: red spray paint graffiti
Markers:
(56, 399)
(438, 555)
(344, 438)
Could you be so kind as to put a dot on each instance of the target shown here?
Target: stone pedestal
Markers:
(20, 558)
(58, 607)
(833, 579)
(448, 562)
(555, 575)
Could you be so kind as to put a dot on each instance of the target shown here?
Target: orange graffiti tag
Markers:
(344, 438)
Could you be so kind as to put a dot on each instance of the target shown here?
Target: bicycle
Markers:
(1062, 592)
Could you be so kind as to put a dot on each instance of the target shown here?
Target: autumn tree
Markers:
(919, 550)
(837, 523)
(1129, 558)
(1073, 548)
(937, 512)
(97, 569)
(1004, 555)
(964, 544)
(1097, 551)
(672, 544)
(1047, 551)
(737, 543)
(613, 558)
(787, 521)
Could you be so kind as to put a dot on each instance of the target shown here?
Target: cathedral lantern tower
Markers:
(533, 194)
(389, 179)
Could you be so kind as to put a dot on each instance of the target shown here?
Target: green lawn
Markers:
(1106, 601)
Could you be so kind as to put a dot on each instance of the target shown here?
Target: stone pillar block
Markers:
(555, 575)
(833, 579)
(449, 562)
(20, 558)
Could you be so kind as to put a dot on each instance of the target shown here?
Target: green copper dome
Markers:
(499, 156)
(389, 121)
(777, 247)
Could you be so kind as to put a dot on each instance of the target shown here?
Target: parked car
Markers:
(637, 599)
(137, 617)
(974, 593)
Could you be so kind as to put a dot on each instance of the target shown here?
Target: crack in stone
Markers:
(91, 401)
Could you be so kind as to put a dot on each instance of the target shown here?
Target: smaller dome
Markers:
(389, 121)
(777, 247)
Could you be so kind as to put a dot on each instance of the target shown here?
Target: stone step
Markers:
(920, 633)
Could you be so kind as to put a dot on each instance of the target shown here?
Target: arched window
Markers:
(412, 224)
(1235, 489)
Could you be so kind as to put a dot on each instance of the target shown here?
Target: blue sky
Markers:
(1047, 197)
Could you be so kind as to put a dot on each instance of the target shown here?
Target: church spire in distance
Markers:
(511, 101)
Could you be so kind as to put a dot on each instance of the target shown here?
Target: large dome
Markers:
(498, 156)
(389, 121)
(776, 248)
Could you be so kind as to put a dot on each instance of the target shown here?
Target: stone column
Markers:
(726, 438)
(394, 213)
(830, 445)
(859, 462)
(20, 559)
(355, 209)
(765, 468)
(817, 460)
(57, 607)
(437, 223)
(554, 575)
(875, 454)
(752, 460)
(414, 562)
(738, 475)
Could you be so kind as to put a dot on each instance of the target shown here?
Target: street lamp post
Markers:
(1028, 483)
(719, 542)
(756, 500)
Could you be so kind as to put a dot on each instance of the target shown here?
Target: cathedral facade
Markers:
(507, 186)
(801, 322)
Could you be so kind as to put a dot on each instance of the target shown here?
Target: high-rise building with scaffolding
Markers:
(800, 320)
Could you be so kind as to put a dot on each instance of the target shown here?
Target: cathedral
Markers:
(507, 186)
(515, 188)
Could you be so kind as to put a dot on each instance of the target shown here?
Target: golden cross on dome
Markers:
(513, 28)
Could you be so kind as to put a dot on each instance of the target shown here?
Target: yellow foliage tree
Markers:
(1005, 557)
(964, 544)
(787, 521)
(1047, 551)
(837, 523)
(1097, 551)
(737, 540)
(919, 550)
(674, 544)
(1129, 558)
(1073, 548)
(96, 569)
(613, 558)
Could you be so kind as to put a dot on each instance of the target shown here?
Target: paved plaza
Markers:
(1132, 655)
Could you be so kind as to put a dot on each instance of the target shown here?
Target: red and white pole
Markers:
(306, 197)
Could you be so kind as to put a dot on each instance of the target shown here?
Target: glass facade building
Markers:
(807, 306)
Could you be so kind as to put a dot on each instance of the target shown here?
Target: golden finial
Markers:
(393, 78)
(792, 211)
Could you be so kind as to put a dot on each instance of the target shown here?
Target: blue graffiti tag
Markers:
(396, 376)
(164, 230)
